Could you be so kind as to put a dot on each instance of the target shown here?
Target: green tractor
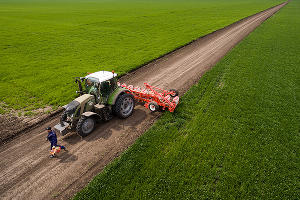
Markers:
(100, 98)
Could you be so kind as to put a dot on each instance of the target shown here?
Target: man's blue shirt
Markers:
(52, 138)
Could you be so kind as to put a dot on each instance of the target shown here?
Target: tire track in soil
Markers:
(27, 173)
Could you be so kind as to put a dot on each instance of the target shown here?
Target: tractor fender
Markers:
(90, 114)
(113, 97)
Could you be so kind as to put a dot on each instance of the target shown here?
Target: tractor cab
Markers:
(100, 84)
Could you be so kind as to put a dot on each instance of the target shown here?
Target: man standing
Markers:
(53, 140)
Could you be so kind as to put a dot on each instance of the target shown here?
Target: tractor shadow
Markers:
(72, 138)
(104, 130)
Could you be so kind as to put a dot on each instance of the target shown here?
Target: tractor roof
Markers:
(102, 75)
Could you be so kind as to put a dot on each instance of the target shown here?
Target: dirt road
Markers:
(26, 172)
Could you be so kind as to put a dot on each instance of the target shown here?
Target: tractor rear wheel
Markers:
(85, 125)
(124, 105)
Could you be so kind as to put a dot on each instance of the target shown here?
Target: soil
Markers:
(9, 124)
(13, 125)
(27, 172)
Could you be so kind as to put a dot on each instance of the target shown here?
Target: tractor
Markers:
(100, 97)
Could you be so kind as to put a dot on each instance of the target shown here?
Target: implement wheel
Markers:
(85, 125)
(175, 92)
(153, 106)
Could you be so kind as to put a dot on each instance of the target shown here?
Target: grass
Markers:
(235, 135)
(29, 113)
(44, 44)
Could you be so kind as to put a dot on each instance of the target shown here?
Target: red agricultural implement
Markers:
(154, 98)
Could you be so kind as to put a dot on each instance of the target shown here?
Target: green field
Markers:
(235, 135)
(44, 44)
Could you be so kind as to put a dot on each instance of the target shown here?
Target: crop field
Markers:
(44, 44)
(235, 134)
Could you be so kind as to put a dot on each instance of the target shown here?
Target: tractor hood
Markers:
(83, 98)
(72, 106)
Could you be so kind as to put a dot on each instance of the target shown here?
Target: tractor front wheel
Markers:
(124, 105)
(63, 117)
(85, 125)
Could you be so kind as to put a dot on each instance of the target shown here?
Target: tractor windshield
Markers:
(91, 84)
(71, 107)
(91, 81)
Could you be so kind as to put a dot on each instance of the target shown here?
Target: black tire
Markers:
(63, 117)
(106, 114)
(175, 91)
(85, 126)
(153, 106)
(124, 105)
